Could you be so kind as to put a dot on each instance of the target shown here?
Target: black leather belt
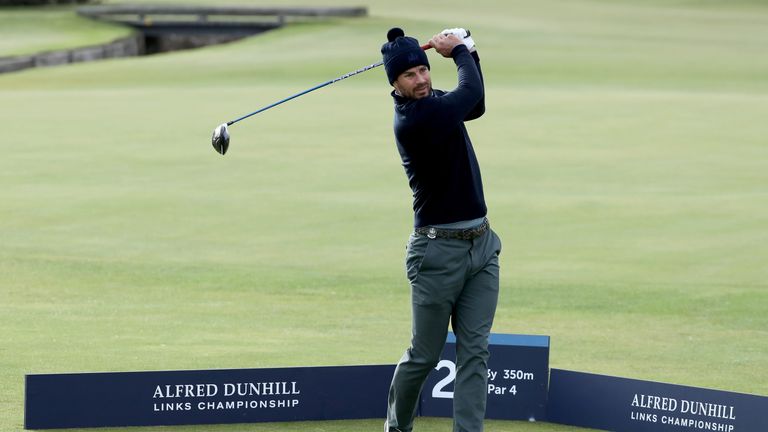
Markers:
(456, 234)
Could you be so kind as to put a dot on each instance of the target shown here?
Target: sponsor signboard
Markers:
(205, 396)
(629, 405)
(518, 371)
(517, 390)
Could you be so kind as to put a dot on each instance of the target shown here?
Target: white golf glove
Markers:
(462, 34)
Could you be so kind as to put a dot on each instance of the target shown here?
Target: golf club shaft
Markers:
(345, 76)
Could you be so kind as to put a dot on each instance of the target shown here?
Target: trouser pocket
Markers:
(415, 253)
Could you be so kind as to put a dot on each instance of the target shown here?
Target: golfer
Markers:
(452, 255)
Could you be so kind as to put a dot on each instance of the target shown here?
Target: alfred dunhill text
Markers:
(227, 389)
(227, 396)
(695, 415)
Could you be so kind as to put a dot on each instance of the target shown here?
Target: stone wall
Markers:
(126, 47)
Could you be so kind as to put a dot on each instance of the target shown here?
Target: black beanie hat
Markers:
(401, 53)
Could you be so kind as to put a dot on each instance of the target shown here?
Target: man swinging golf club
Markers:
(452, 255)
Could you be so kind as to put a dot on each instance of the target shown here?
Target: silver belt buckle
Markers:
(432, 233)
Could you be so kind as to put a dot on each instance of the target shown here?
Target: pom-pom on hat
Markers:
(401, 53)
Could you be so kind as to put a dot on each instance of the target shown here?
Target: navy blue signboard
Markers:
(516, 390)
(205, 396)
(628, 405)
(518, 371)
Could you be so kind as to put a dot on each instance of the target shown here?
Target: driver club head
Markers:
(220, 139)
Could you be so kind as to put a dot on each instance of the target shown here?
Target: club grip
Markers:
(428, 46)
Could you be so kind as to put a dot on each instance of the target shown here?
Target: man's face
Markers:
(414, 83)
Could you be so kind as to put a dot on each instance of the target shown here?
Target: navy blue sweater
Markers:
(436, 150)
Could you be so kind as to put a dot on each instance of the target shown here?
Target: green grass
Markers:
(29, 30)
(623, 155)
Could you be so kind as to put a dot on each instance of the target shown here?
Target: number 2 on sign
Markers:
(438, 391)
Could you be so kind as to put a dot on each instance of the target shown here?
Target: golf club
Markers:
(220, 137)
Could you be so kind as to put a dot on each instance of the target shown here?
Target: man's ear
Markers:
(397, 88)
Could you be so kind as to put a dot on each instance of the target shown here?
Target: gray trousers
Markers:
(456, 281)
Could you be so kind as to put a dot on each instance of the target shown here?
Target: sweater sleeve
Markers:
(479, 108)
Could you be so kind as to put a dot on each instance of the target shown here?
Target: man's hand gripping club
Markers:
(445, 41)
